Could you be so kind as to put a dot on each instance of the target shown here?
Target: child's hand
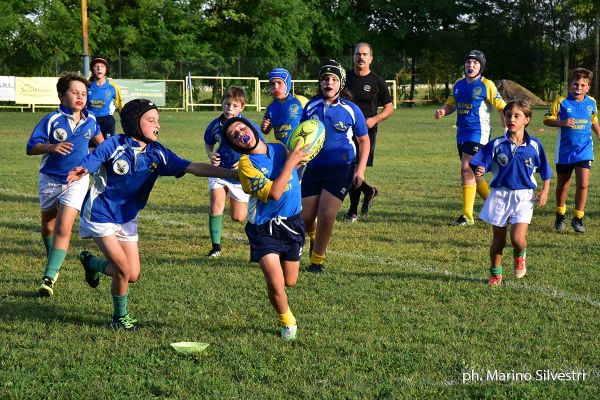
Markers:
(62, 148)
(569, 122)
(265, 126)
(541, 197)
(439, 113)
(76, 174)
(299, 154)
(215, 159)
(479, 171)
(235, 166)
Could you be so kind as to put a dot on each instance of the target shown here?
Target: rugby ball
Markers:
(310, 132)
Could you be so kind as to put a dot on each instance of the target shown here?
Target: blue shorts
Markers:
(284, 237)
(336, 180)
(468, 148)
(567, 169)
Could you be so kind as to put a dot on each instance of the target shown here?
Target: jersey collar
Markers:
(525, 136)
(67, 112)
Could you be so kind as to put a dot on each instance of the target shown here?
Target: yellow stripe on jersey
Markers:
(118, 98)
(594, 119)
(253, 181)
(493, 96)
(451, 101)
(554, 110)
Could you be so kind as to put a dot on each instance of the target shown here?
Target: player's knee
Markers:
(134, 277)
(238, 218)
(499, 243)
(291, 282)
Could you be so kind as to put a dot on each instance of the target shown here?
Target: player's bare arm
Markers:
(62, 148)
(560, 123)
(385, 113)
(442, 112)
(542, 195)
(203, 169)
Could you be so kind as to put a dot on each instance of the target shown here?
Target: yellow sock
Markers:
(468, 200)
(483, 189)
(578, 214)
(562, 210)
(317, 258)
(287, 318)
(312, 234)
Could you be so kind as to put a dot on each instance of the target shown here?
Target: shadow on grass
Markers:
(431, 276)
(19, 198)
(45, 311)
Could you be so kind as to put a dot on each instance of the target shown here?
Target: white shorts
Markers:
(127, 232)
(505, 206)
(235, 189)
(53, 192)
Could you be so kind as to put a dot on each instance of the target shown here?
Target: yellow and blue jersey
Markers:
(57, 127)
(574, 144)
(474, 103)
(257, 173)
(513, 166)
(342, 120)
(103, 100)
(123, 177)
(285, 116)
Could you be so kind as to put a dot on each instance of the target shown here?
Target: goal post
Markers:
(207, 91)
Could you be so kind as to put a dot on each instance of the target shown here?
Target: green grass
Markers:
(402, 312)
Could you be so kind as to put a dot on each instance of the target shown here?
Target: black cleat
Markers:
(368, 201)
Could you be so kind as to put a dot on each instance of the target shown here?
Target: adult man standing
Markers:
(369, 91)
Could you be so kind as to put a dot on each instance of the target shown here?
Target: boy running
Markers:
(513, 158)
(284, 113)
(575, 116)
(125, 168)
(62, 137)
(275, 228)
(473, 98)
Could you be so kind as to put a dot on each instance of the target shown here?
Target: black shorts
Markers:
(567, 169)
(468, 148)
(336, 180)
(284, 237)
(107, 127)
(372, 140)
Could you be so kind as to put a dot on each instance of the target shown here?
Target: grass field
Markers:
(402, 312)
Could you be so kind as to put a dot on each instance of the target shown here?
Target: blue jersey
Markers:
(284, 116)
(513, 166)
(574, 144)
(103, 100)
(257, 173)
(342, 119)
(474, 103)
(213, 135)
(56, 127)
(123, 176)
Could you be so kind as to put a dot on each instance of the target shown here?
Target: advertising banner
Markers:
(36, 91)
(7, 88)
(134, 89)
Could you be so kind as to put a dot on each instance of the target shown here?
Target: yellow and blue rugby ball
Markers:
(310, 132)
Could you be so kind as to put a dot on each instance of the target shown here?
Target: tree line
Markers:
(533, 42)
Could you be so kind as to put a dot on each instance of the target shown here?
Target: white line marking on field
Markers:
(547, 291)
